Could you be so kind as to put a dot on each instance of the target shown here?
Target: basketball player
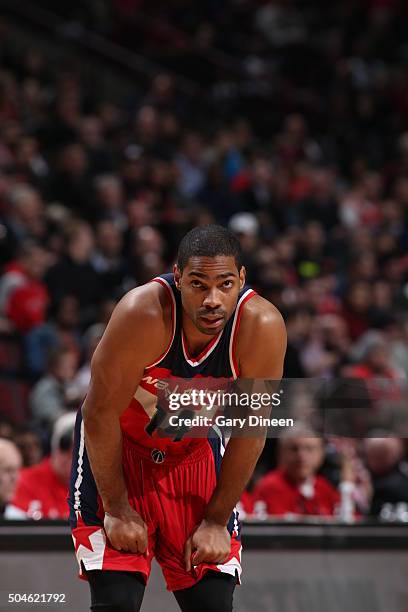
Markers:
(135, 495)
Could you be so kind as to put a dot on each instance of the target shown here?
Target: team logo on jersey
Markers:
(158, 455)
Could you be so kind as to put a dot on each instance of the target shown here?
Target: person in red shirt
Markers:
(245, 506)
(23, 295)
(375, 366)
(295, 488)
(42, 489)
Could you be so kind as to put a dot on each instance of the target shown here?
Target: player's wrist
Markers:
(216, 519)
(116, 507)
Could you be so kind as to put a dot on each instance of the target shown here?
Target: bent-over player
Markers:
(135, 495)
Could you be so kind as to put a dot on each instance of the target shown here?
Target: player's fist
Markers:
(126, 530)
(210, 543)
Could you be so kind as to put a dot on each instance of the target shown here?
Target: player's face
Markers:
(209, 291)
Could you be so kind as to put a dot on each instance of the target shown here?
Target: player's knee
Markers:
(115, 591)
(214, 592)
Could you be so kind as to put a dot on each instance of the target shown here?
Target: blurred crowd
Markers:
(302, 152)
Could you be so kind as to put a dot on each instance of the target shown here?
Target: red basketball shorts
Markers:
(171, 497)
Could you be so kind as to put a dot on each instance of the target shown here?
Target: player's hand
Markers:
(210, 543)
(126, 530)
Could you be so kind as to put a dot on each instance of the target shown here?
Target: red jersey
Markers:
(216, 361)
(40, 493)
(280, 496)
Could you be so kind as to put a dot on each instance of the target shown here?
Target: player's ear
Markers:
(177, 276)
(242, 276)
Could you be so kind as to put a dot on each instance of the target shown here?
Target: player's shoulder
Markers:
(261, 340)
(259, 316)
(146, 304)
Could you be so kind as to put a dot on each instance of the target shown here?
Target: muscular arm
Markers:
(262, 346)
(261, 349)
(135, 336)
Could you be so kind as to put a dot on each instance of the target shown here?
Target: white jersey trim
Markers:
(78, 482)
(231, 343)
(194, 363)
(164, 283)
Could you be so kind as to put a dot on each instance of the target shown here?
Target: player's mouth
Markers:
(212, 322)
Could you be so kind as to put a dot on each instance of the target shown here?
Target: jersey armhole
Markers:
(166, 285)
(235, 328)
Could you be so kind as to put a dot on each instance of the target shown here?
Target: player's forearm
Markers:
(238, 464)
(103, 440)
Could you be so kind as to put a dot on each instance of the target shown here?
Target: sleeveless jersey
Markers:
(216, 360)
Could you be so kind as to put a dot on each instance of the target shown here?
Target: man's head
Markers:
(26, 205)
(10, 465)
(109, 239)
(80, 241)
(372, 350)
(62, 363)
(29, 443)
(62, 441)
(382, 454)
(33, 258)
(67, 312)
(300, 456)
(209, 273)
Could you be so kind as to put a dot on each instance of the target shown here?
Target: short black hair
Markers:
(209, 241)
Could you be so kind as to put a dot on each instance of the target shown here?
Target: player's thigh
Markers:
(214, 592)
(115, 591)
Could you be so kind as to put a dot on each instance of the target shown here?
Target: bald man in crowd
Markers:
(10, 465)
(384, 458)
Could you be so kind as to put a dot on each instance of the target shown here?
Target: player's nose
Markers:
(212, 299)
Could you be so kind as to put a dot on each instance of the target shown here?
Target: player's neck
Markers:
(195, 340)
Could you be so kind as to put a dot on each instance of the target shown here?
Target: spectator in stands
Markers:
(397, 333)
(92, 136)
(356, 309)
(60, 331)
(109, 200)
(146, 256)
(24, 219)
(29, 443)
(295, 488)
(71, 184)
(23, 295)
(43, 488)
(245, 506)
(384, 381)
(83, 376)
(107, 259)
(74, 274)
(10, 466)
(190, 164)
(373, 358)
(7, 429)
(384, 458)
(50, 397)
(298, 324)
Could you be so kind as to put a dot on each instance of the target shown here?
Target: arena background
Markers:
(123, 124)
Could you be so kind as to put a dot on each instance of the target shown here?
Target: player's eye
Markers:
(196, 284)
(227, 284)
